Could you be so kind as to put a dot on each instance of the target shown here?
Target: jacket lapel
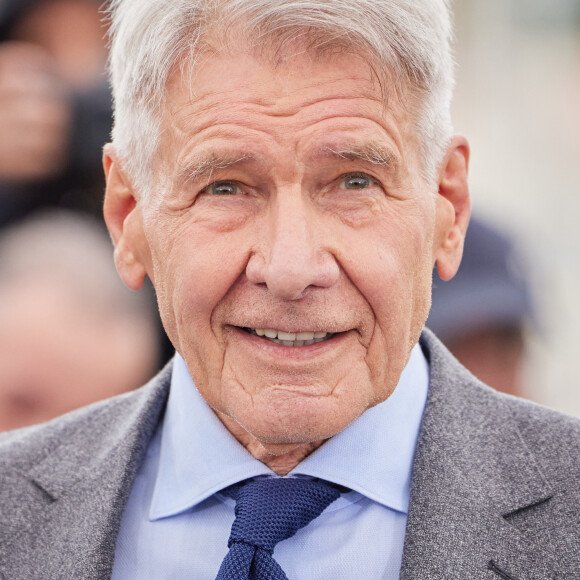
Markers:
(473, 477)
(66, 505)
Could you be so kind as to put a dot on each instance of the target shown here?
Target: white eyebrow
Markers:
(204, 166)
(369, 152)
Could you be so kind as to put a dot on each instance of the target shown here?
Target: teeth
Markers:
(307, 335)
(292, 338)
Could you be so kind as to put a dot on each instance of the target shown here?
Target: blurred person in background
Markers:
(70, 332)
(55, 106)
(481, 315)
(55, 109)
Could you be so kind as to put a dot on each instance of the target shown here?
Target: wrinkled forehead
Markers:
(280, 49)
(285, 97)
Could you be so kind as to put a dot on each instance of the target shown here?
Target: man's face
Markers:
(287, 200)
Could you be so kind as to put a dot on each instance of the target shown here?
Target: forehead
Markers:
(282, 80)
(291, 99)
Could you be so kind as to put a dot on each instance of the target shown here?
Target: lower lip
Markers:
(291, 352)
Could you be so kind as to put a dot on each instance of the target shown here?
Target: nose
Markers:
(292, 257)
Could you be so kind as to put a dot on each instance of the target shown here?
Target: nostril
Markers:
(255, 269)
(285, 276)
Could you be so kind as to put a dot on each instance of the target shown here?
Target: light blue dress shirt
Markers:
(177, 523)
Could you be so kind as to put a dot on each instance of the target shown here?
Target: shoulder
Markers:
(495, 480)
(551, 436)
(65, 484)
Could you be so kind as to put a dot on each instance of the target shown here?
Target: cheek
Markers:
(391, 267)
(193, 276)
(387, 263)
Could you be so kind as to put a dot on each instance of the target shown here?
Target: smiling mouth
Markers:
(291, 339)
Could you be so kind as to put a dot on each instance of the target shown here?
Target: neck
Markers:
(281, 458)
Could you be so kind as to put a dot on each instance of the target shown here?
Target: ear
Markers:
(125, 223)
(453, 208)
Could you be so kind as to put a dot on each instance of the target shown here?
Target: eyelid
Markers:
(358, 174)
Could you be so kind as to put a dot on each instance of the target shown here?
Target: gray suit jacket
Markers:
(495, 490)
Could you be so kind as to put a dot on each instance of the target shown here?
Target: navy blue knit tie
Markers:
(269, 510)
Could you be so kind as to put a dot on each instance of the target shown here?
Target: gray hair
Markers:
(406, 41)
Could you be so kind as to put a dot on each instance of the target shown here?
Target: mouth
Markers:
(290, 339)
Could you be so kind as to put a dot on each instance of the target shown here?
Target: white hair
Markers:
(406, 42)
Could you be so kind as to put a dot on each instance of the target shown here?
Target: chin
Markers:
(303, 426)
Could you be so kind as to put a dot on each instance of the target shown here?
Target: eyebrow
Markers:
(372, 153)
(204, 166)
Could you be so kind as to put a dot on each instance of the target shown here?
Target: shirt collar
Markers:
(373, 455)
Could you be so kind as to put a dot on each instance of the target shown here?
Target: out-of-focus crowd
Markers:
(55, 106)
(70, 332)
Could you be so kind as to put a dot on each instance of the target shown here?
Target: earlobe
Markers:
(125, 223)
(453, 208)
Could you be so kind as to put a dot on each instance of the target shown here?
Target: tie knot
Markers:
(269, 510)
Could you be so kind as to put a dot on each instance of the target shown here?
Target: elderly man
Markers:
(286, 175)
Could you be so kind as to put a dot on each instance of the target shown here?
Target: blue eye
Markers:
(356, 181)
(223, 188)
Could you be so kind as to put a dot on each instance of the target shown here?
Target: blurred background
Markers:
(511, 315)
(518, 102)
(70, 332)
